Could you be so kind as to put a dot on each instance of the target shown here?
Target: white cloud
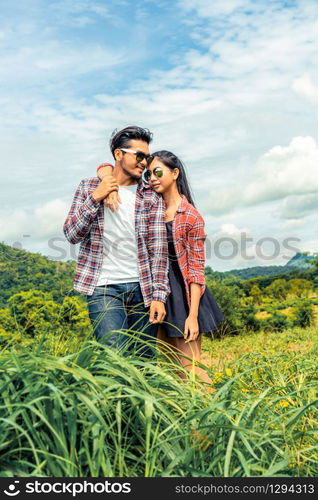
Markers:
(297, 207)
(232, 230)
(294, 224)
(305, 87)
(53, 61)
(233, 247)
(285, 170)
(42, 223)
(281, 172)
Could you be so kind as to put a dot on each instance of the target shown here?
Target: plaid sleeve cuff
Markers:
(197, 278)
(90, 206)
(160, 295)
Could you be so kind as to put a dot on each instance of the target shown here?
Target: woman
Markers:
(190, 308)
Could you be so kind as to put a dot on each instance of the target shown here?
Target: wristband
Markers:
(104, 165)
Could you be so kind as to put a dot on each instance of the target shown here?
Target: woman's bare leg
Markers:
(193, 351)
(177, 348)
(166, 345)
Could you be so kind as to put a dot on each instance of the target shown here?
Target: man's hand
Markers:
(112, 201)
(107, 185)
(191, 328)
(157, 312)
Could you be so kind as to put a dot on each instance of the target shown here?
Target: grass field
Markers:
(77, 409)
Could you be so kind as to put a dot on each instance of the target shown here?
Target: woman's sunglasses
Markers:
(157, 171)
(140, 155)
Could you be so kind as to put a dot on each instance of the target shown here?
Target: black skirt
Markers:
(177, 309)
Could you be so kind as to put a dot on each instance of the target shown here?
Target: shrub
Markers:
(34, 311)
(249, 319)
(7, 322)
(277, 321)
(229, 299)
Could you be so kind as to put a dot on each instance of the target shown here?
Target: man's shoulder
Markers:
(149, 195)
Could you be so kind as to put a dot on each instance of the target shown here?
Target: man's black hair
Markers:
(122, 138)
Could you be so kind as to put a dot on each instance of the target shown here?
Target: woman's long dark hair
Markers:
(172, 161)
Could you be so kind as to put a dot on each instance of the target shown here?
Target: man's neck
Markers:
(122, 178)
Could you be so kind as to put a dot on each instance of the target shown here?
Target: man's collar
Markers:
(142, 185)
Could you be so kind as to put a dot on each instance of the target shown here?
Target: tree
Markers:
(304, 314)
(278, 289)
(300, 287)
(256, 294)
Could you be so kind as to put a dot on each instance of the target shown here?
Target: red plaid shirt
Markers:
(85, 224)
(189, 237)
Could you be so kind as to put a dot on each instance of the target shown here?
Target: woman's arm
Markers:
(195, 296)
(113, 199)
(191, 326)
(196, 253)
(104, 169)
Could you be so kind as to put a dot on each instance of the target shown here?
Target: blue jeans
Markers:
(121, 307)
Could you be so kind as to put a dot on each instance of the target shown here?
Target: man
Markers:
(122, 264)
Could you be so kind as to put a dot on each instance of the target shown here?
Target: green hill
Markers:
(22, 271)
(298, 262)
(302, 260)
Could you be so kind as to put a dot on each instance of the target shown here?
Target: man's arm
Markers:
(81, 215)
(158, 251)
(84, 209)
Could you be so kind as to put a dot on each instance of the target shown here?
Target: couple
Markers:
(141, 258)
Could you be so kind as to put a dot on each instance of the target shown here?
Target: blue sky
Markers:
(229, 86)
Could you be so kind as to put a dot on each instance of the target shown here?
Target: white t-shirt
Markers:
(120, 259)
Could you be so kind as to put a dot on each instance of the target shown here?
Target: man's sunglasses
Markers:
(140, 155)
(157, 171)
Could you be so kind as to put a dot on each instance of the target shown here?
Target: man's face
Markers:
(128, 160)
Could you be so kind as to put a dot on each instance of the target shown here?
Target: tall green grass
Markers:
(96, 413)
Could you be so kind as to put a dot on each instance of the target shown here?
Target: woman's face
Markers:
(167, 179)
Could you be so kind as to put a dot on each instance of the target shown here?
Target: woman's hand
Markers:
(191, 328)
(112, 201)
